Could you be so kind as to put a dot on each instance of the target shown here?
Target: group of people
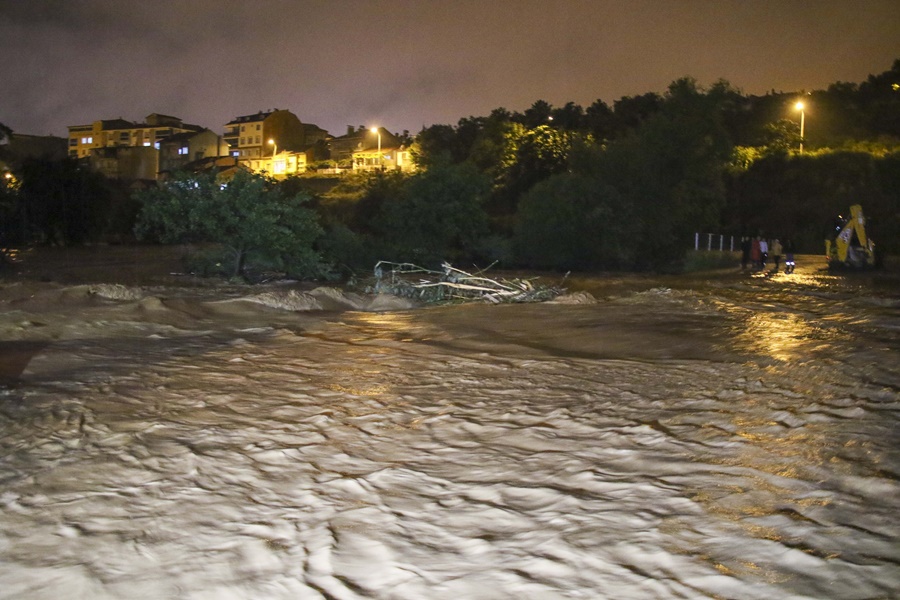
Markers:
(756, 251)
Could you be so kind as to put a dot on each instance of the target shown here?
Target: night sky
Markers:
(405, 64)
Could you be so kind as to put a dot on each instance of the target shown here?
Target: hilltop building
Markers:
(83, 139)
(274, 141)
(178, 151)
(363, 149)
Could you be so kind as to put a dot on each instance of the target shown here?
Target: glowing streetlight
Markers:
(799, 106)
(375, 130)
(274, 148)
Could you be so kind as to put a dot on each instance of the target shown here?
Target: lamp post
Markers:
(375, 130)
(274, 148)
(799, 106)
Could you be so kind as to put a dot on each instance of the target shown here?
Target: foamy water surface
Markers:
(683, 438)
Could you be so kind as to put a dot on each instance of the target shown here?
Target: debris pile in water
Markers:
(453, 285)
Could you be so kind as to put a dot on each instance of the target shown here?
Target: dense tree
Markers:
(600, 121)
(439, 216)
(880, 97)
(670, 169)
(575, 221)
(569, 117)
(349, 213)
(781, 136)
(435, 145)
(495, 148)
(539, 153)
(62, 202)
(537, 114)
(248, 218)
(632, 111)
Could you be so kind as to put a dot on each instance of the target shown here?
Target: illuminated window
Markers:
(87, 140)
(156, 145)
(183, 150)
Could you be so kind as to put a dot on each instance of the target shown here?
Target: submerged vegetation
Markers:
(455, 285)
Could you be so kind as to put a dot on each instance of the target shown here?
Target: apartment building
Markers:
(274, 141)
(264, 133)
(181, 149)
(83, 139)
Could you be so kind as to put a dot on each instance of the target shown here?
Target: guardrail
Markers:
(714, 241)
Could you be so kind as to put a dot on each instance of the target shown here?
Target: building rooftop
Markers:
(260, 116)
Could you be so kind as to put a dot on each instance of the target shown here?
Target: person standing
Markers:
(763, 253)
(754, 252)
(745, 252)
(776, 252)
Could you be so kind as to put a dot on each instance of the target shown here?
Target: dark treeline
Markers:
(597, 188)
(626, 186)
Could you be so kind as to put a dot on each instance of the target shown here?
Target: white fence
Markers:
(714, 241)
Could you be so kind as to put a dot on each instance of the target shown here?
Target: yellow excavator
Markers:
(849, 246)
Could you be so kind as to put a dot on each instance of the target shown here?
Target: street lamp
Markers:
(274, 148)
(799, 106)
(375, 130)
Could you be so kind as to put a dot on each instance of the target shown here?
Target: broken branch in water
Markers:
(452, 284)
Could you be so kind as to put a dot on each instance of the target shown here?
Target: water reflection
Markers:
(782, 336)
(396, 326)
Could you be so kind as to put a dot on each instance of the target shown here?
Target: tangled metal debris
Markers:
(453, 285)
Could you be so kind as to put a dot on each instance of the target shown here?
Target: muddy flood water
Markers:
(722, 435)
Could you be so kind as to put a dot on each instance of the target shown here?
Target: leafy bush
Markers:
(254, 224)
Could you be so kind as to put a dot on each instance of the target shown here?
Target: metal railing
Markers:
(714, 241)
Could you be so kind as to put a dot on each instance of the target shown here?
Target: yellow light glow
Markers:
(374, 130)
(799, 106)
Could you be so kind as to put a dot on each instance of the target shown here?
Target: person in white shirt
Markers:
(763, 252)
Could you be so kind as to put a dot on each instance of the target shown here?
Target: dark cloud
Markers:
(409, 63)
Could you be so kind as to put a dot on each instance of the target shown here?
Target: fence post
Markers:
(696, 241)
(709, 242)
